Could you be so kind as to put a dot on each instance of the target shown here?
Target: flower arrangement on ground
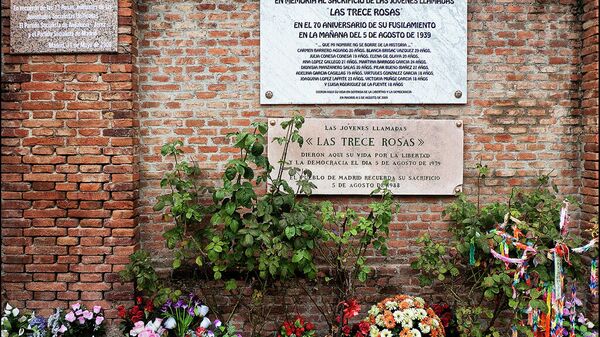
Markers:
(14, 322)
(404, 316)
(77, 322)
(299, 327)
(185, 314)
(446, 315)
(143, 311)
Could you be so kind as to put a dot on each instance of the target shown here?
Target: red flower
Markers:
(346, 330)
(136, 314)
(288, 331)
(122, 312)
(364, 327)
(309, 326)
(138, 300)
(149, 306)
(352, 308)
(200, 330)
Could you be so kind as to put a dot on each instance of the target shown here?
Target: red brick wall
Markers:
(70, 127)
(589, 109)
(199, 79)
(69, 173)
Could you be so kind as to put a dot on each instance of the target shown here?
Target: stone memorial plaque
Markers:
(353, 156)
(63, 26)
(363, 51)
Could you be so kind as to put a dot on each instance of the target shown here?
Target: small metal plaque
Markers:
(354, 156)
(63, 26)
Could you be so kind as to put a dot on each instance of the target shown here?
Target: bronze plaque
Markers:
(354, 156)
(63, 26)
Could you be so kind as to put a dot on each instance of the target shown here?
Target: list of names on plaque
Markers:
(63, 26)
(363, 51)
(354, 156)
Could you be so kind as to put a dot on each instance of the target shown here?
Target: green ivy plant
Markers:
(250, 238)
(346, 235)
(480, 284)
(142, 273)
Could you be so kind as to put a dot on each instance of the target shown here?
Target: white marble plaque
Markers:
(363, 51)
(63, 26)
(354, 156)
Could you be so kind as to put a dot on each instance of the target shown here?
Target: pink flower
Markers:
(81, 320)
(97, 309)
(70, 317)
(76, 306)
(99, 320)
(88, 315)
(148, 333)
(62, 329)
(79, 312)
(138, 327)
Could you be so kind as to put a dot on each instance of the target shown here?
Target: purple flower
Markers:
(217, 323)
(178, 304)
(166, 306)
(70, 317)
(581, 319)
(38, 322)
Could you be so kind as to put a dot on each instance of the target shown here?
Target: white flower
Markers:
(386, 333)
(415, 333)
(590, 325)
(21, 332)
(435, 323)
(4, 333)
(379, 320)
(391, 305)
(425, 328)
(203, 310)
(407, 322)
(412, 313)
(205, 323)
(170, 323)
(373, 332)
(15, 311)
(420, 314)
(374, 310)
(398, 316)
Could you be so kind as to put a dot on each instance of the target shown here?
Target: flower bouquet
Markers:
(403, 316)
(297, 328)
(185, 314)
(14, 323)
(143, 311)
(78, 322)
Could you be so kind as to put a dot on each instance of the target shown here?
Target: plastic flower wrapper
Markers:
(13, 323)
(188, 312)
